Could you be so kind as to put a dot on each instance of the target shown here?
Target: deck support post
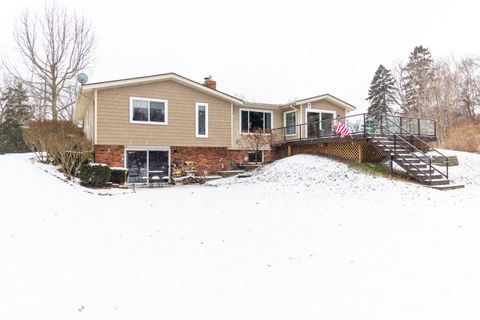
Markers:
(360, 153)
(390, 165)
(289, 150)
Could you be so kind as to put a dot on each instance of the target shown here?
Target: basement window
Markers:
(255, 156)
(149, 111)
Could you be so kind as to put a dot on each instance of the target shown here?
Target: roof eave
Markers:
(328, 97)
(162, 77)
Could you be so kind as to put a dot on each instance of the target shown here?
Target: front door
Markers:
(313, 124)
(147, 166)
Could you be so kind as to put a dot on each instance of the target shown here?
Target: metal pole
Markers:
(364, 130)
(390, 165)
(395, 144)
(430, 164)
(381, 125)
(447, 168)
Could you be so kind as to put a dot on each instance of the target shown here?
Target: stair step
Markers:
(414, 165)
(411, 160)
(428, 176)
(436, 182)
(422, 170)
(450, 186)
(397, 150)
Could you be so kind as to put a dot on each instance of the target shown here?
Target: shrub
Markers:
(119, 175)
(60, 142)
(95, 174)
(463, 137)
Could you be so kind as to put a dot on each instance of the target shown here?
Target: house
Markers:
(147, 123)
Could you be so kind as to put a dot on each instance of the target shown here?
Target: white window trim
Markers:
(320, 111)
(285, 122)
(143, 148)
(255, 110)
(261, 152)
(165, 102)
(197, 104)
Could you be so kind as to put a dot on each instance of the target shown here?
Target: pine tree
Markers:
(382, 93)
(416, 77)
(16, 111)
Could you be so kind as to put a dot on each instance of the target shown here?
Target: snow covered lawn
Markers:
(304, 238)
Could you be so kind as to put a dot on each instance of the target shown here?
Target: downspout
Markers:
(231, 125)
(95, 119)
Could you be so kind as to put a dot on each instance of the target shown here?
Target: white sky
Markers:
(269, 51)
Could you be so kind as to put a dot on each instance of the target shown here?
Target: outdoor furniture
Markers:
(156, 177)
(370, 126)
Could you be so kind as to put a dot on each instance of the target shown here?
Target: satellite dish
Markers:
(82, 78)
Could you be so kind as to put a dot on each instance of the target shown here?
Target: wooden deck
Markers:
(360, 136)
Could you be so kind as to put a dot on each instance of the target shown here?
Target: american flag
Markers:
(342, 130)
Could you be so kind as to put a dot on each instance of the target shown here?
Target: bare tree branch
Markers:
(54, 47)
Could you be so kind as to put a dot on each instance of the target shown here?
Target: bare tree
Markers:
(255, 141)
(444, 91)
(469, 81)
(397, 72)
(54, 47)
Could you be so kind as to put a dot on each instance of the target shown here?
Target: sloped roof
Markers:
(86, 93)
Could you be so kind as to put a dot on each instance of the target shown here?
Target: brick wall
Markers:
(112, 155)
(212, 159)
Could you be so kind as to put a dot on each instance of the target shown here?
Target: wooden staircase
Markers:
(405, 149)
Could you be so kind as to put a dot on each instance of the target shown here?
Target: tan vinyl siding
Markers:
(114, 127)
(322, 105)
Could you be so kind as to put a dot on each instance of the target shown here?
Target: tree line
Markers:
(446, 89)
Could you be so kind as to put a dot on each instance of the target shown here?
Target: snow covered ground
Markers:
(304, 238)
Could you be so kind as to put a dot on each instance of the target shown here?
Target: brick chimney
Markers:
(209, 82)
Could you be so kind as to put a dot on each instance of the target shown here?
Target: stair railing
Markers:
(413, 147)
(416, 138)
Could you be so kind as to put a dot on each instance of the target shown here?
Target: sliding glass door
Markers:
(313, 124)
(157, 165)
(147, 166)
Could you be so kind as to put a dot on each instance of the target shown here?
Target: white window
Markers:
(152, 111)
(201, 120)
(289, 122)
(252, 120)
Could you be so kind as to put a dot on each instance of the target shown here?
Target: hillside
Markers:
(303, 238)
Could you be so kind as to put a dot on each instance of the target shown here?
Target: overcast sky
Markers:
(268, 51)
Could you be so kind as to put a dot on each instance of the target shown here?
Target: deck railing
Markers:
(357, 124)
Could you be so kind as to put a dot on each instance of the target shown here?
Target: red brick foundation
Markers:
(211, 159)
(112, 155)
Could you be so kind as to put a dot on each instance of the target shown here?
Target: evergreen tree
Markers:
(416, 77)
(16, 111)
(382, 93)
